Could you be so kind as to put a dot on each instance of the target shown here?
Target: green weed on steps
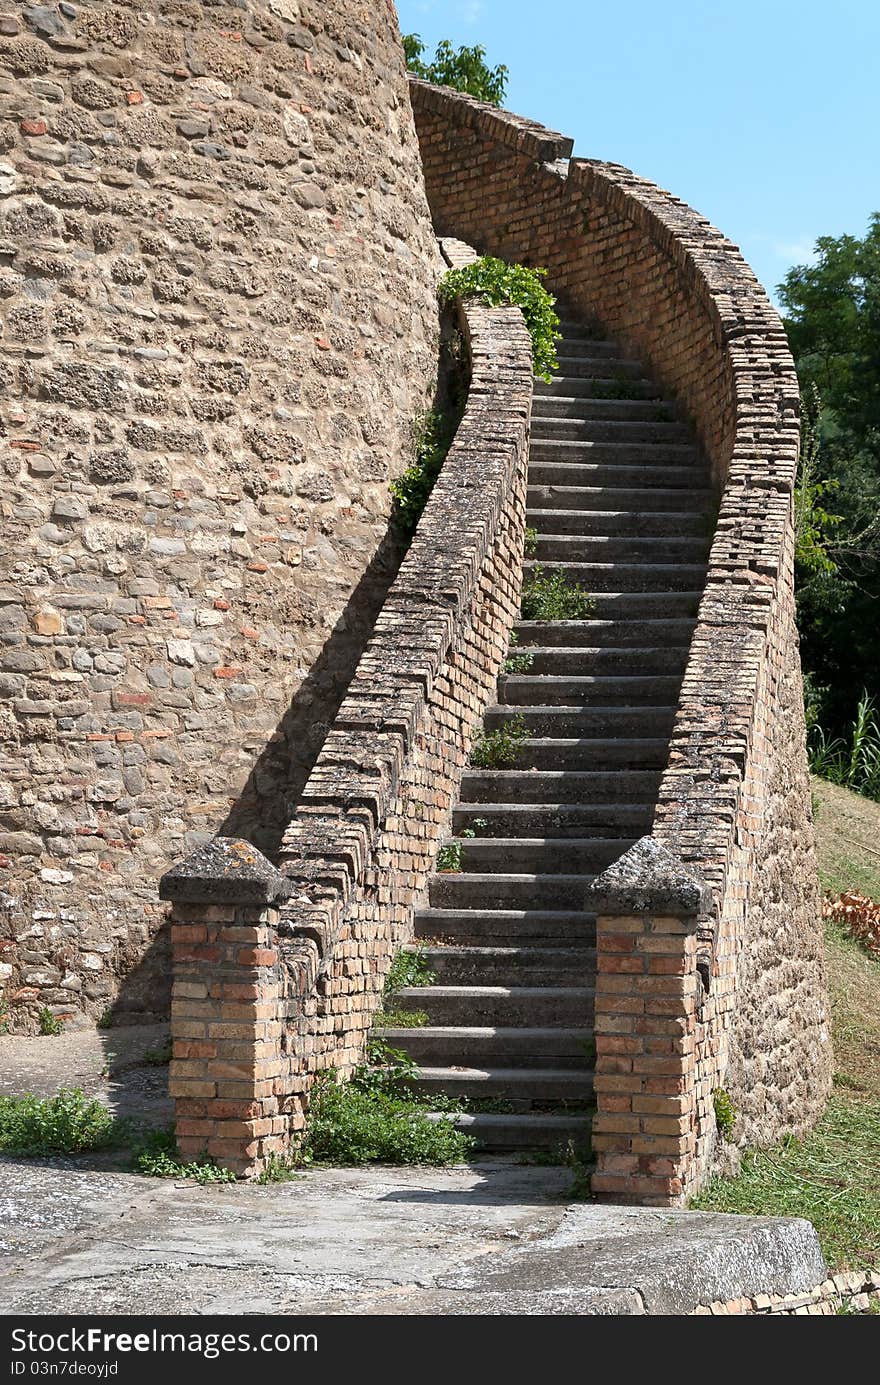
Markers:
(368, 1120)
(500, 748)
(550, 596)
(408, 968)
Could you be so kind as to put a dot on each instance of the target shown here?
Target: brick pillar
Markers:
(647, 990)
(226, 1005)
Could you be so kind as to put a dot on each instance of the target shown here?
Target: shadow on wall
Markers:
(266, 803)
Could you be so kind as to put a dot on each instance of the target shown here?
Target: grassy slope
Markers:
(833, 1176)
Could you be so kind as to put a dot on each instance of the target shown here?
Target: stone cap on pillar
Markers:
(648, 879)
(227, 870)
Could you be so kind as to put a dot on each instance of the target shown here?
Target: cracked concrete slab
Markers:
(493, 1237)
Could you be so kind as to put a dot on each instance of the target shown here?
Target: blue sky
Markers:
(764, 116)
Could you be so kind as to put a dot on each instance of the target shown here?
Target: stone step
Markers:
(640, 605)
(581, 660)
(609, 548)
(615, 433)
(588, 407)
(552, 445)
(546, 1131)
(521, 1046)
(542, 855)
(577, 341)
(644, 633)
(573, 755)
(604, 387)
(550, 484)
(601, 787)
(549, 819)
(596, 366)
(525, 1086)
(657, 577)
(479, 927)
(542, 1007)
(629, 524)
(617, 494)
(565, 723)
(510, 966)
(527, 891)
(620, 690)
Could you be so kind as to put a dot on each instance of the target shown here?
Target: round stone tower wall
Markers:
(218, 305)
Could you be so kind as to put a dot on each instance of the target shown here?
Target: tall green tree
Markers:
(463, 68)
(832, 315)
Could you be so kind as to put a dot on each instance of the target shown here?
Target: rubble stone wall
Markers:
(219, 320)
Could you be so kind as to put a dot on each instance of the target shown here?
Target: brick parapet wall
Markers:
(361, 844)
(733, 805)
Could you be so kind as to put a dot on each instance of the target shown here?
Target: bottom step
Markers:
(525, 1131)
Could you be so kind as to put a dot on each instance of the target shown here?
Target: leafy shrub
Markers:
(494, 282)
(408, 968)
(530, 541)
(359, 1122)
(465, 69)
(725, 1111)
(499, 749)
(69, 1123)
(49, 1023)
(157, 1158)
(432, 435)
(550, 596)
(518, 661)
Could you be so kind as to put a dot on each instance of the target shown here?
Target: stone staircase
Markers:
(619, 496)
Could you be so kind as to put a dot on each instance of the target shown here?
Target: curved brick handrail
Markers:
(278, 972)
(733, 806)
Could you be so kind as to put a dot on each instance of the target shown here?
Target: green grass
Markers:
(830, 1177)
(847, 839)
